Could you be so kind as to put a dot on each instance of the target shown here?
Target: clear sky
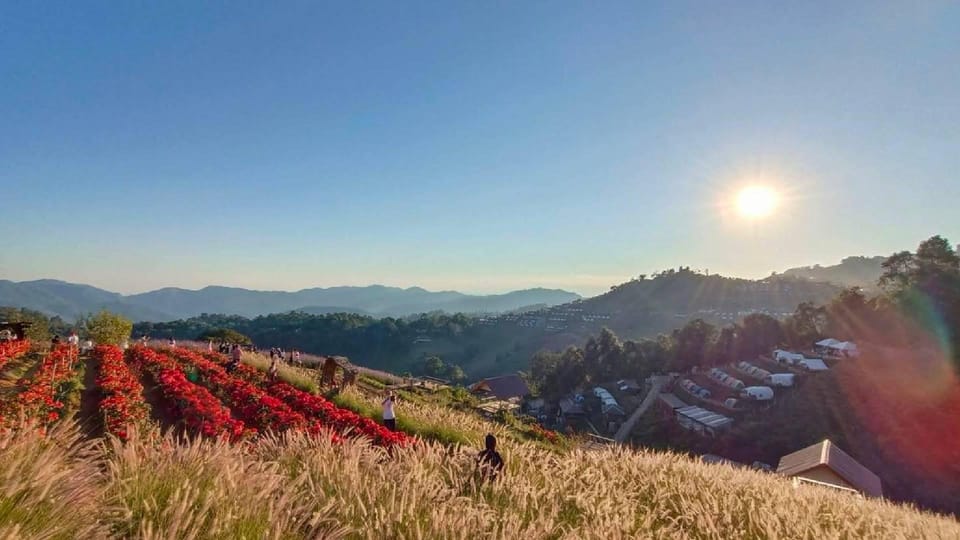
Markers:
(478, 146)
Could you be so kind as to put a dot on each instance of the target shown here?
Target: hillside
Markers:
(308, 483)
(501, 344)
(851, 272)
(70, 300)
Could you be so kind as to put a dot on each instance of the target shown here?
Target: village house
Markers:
(827, 465)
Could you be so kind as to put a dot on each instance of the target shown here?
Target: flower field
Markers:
(268, 460)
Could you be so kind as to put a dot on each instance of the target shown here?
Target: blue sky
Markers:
(473, 146)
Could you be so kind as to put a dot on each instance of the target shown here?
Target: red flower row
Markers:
(304, 403)
(38, 400)
(200, 410)
(122, 402)
(341, 420)
(256, 407)
(12, 349)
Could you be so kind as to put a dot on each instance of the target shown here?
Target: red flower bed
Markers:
(12, 349)
(39, 398)
(302, 403)
(337, 418)
(200, 410)
(249, 401)
(122, 402)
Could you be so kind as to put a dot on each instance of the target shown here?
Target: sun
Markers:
(756, 202)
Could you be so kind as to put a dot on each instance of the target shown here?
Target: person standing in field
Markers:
(272, 372)
(489, 461)
(389, 415)
(235, 356)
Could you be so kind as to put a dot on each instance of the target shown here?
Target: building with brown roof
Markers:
(503, 387)
(826, 464)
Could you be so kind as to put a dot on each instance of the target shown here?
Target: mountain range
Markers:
(70, 300)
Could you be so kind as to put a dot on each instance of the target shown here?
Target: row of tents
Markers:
(774, 379)
(695, 389)
(797, 359)
(726, 379)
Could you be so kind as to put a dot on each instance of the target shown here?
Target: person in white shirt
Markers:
(389, 416)
(74, 339)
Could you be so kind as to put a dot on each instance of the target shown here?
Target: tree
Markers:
(759, 334)
(806, 325)
(691, 343)
(225, 335)
(455, 373)
(434, 366)
(108, 328)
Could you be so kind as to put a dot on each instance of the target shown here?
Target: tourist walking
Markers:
(489, 461)
(389, 415)
(235, 356)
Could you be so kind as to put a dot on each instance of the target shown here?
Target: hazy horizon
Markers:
(583, 292)
(474, 148)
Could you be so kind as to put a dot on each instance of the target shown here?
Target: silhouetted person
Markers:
(489, 461)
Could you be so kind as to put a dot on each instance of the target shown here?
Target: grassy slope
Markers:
(299, 487)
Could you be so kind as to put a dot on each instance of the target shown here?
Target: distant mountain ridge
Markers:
(851, 272)
(70, 300)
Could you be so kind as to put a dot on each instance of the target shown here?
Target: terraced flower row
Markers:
(257, 408)
(38, 400)
(200, 410)
(122, 404)
(303, 403)
(10, 350)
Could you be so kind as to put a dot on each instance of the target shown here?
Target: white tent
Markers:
(759, 393)
(829, 342)
(786, 356)
(848, 347)
(813, 364)
(780, 379)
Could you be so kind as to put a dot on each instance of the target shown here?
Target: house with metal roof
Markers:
(826, 464)
(702, 421)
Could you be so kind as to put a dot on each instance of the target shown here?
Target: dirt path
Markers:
(628, 426)
(88, 414)
(17, 369)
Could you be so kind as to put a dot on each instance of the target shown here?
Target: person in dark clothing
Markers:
(489, 461)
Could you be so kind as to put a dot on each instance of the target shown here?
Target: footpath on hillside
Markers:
(657, 383)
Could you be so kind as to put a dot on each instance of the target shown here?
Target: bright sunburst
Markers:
(756, 202)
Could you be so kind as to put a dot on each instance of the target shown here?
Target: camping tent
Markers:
(787, 357)
(780, 379)
(758, 393)
(813, 364)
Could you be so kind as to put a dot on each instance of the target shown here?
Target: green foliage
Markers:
(225, 335)
(691, 344)
(434, 367)
(42, 327)
(108, 328)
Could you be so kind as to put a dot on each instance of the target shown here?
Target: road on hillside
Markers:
(627, 427)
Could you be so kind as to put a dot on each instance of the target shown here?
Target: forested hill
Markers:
(502, 344)
(644, 305)
(851, 272)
